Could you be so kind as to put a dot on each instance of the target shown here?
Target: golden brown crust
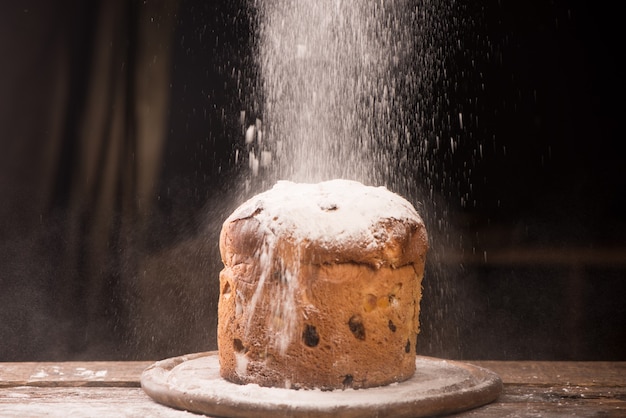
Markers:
(347, 336)
(313, 310)
(405, 242)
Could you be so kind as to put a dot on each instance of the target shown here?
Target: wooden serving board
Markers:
(193, 383)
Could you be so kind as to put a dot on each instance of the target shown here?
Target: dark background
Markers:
(530, 264)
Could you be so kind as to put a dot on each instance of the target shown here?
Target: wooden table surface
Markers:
(112, 389)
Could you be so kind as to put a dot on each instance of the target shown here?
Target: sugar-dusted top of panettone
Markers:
(333, 221)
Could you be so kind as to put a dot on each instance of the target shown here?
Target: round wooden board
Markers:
(193, 383)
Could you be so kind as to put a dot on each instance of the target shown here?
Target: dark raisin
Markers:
(407, 347)
(310, 336)
(356, 327)
(347, 381)
(276, 275)
(238, 346)
(392, 326)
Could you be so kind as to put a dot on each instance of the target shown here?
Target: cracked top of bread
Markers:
(332, 222)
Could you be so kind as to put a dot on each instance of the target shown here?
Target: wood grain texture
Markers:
(26, 401)
(548, 373)
(531, 389)
(72, 374)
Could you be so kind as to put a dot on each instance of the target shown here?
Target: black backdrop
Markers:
(540, 77)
